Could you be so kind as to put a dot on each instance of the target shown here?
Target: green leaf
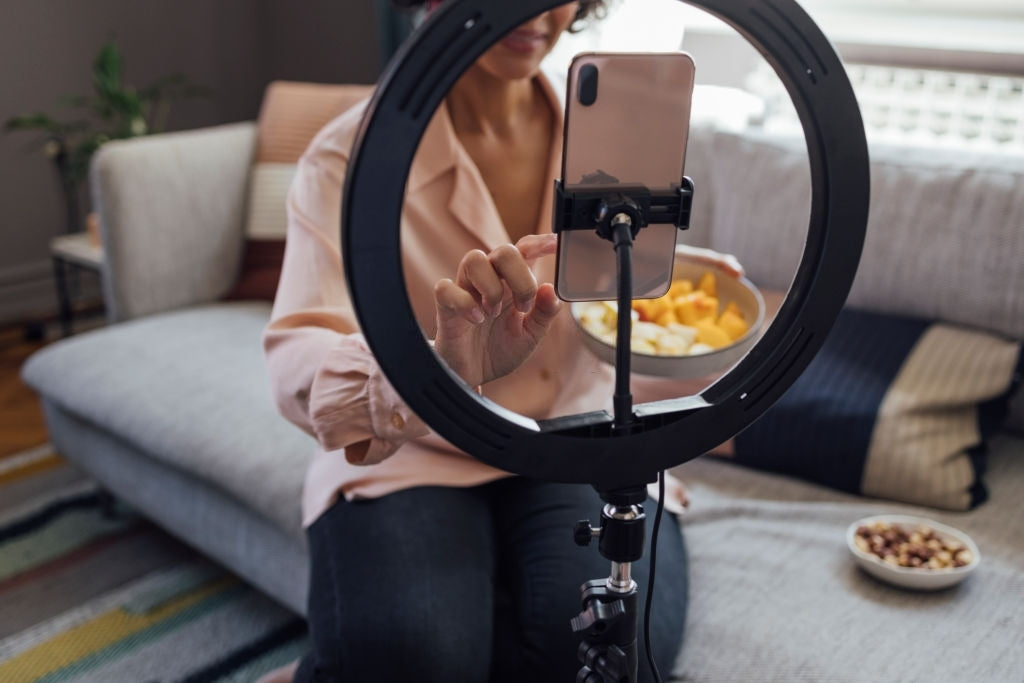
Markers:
(45, 123)
(108, 68)
(33, 122)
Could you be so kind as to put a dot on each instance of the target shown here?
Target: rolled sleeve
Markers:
(351, 401)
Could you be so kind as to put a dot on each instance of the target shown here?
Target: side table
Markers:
(70, 253)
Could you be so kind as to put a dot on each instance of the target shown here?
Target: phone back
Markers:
(636, 129)
(627, 122)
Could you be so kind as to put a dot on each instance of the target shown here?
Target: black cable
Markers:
(650, 577)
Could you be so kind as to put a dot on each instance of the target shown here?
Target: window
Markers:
(993, 8)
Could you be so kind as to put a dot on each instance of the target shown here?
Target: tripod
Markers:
(610, 615)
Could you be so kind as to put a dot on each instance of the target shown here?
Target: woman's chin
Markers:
(514, 68)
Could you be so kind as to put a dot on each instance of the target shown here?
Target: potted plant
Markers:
(119, 111)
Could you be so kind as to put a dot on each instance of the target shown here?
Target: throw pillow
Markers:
(290, 116)
(893, 408)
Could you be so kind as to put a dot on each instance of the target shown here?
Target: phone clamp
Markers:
(592, 207)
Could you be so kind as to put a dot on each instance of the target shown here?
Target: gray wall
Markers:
(233, 46)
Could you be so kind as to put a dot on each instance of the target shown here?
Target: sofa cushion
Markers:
(945, 237)
(778, 597)
(190, 389)
(290, 116)
(891, 407)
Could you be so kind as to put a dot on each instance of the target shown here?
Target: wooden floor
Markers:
(21, 417)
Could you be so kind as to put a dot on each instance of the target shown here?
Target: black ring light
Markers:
(581, 449)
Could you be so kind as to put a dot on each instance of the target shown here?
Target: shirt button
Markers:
(397, 421)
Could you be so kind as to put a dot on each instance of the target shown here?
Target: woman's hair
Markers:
(588, 9)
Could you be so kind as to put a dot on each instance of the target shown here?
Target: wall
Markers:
(233, 46)
(328, 41)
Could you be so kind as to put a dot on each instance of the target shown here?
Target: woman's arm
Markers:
(323, 376)
(490, 318)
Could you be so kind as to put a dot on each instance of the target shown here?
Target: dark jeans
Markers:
(467, 585)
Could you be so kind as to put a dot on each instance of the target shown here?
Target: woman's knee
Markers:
(390, 602)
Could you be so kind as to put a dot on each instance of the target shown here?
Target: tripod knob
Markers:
(582, 532)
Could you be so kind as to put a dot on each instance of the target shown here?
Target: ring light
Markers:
(581, 449)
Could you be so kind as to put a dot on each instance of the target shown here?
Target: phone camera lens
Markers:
(587, 92)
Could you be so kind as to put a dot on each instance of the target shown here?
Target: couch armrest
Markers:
(172, 209)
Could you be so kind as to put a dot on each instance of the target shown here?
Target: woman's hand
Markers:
(492, 317)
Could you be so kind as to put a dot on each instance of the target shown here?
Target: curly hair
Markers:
(588, 8)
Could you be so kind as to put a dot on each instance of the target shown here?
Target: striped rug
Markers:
(91, 591)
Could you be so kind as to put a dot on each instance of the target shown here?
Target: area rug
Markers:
(91, 591)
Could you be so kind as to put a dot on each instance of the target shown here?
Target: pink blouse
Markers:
(324, 377)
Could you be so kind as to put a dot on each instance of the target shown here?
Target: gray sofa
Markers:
(169, 406)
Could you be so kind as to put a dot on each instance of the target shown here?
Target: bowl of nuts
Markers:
(710, 317)
(912, 552)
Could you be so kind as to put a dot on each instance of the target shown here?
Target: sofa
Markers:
(169, 405)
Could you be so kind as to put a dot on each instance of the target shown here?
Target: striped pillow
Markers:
(892, 408)
(290, 117)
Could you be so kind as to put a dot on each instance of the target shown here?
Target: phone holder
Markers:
(591, 207)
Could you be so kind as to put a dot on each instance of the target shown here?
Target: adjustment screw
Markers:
(582, 532)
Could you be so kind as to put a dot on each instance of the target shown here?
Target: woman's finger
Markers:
(545, 310)
(477, 276)
(454, 301)
(509, 264)
(533, 247)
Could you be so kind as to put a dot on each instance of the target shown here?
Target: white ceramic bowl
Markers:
(911, 577)
(730, 288)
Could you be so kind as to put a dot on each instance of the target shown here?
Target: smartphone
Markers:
(627, 120)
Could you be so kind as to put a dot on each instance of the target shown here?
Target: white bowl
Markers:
(912, 577)
(730, 288)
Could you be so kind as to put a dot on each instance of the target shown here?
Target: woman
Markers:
(427, 564)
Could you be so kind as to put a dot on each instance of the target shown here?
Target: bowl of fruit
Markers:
(710, 317)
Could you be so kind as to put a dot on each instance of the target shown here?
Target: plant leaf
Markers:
(107, 69)
(35, 122)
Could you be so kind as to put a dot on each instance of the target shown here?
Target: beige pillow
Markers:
(893, 408)
(290, 117)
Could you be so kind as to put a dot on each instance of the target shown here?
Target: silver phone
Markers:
(627, 121)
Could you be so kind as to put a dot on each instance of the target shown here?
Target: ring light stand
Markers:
(592, 448)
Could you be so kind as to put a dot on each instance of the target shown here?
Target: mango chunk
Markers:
(667, 318)
(711, 334)
(708, 284)
(680, 288)
(733, 325)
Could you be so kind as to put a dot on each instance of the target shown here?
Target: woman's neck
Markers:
(481, 104)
